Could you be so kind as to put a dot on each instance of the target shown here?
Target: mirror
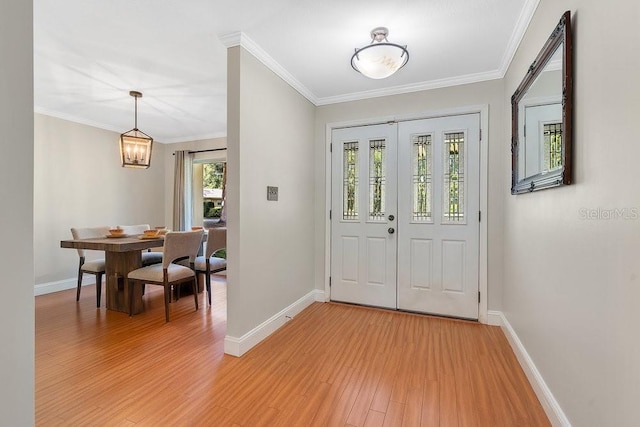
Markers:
(541, 110)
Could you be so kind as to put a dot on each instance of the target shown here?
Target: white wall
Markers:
(485, 93)
(16, 214)
(270, 244)
(79, 182)
(571, 270)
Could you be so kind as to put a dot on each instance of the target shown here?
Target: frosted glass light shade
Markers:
(379, 60)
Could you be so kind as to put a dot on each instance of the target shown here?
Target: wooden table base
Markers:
(119, 264)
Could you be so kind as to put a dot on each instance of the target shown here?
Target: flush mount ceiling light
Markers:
(380, 59)
(135, 145)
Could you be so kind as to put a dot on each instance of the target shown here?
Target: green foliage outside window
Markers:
(352, 170)
(212, 175)
(221, 253)
(212, 178)
(422, 200)
(376, 208)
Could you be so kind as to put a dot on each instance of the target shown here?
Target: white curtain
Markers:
(183, 191)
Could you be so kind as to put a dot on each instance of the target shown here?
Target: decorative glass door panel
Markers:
(350, 180)
(552, 146)
(421, 161)
(453, 186)
(377, 172)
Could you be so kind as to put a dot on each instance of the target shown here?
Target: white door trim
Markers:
(484, 185)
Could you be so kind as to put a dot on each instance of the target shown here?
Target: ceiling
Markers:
(88, 54)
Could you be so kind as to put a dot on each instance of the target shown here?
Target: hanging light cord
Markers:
(135, 125)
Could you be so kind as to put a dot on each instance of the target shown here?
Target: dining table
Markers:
(122, 255)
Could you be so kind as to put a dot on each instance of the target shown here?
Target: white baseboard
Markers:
(62, 285)
(494, 318)
(239, 346)
(549, 403)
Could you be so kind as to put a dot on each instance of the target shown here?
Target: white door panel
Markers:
(420, 263)
(363, 252)
(438, 206)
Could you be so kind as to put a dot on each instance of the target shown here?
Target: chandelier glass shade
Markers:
(380, 59)
(135, 145)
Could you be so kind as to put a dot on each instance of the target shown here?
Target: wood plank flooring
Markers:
(332, 365)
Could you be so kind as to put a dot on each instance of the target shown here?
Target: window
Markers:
(377, 172)
(552, 146)
(453, 209)
(421, 178)
(350, 181)
(213, 180)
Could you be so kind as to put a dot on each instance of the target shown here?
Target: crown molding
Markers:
(231, 39)
(241, 39)
(75, 119)
(417, 87)
(526, 14)
(105, 127)
(191, 138)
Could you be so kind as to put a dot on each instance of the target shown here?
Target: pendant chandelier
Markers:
(379, 59)
(135, 145)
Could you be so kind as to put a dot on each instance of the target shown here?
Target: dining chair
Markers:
(149, 257)
(94, 266)
(207, 263)
(177, 245)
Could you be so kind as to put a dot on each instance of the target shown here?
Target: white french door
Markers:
(405, 215)
(363, 252)
(438, 215)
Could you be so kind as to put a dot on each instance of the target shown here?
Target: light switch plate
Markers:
(272, 193)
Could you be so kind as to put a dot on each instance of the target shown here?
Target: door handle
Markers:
(391, 230)
(391, 217)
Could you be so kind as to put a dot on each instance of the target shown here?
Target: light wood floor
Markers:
(332, 365)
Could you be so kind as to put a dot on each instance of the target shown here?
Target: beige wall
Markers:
(270, 244)
(16, 214)
(79, 182)
(487, 93)
(571, 270)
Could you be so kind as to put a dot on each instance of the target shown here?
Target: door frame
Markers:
(483, 110)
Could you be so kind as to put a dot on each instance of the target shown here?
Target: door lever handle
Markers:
(391, 230)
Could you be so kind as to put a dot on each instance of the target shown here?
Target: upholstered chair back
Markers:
(217, 239)
(180, 244)
(89, 233)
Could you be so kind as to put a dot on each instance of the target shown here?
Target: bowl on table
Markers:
(116, 231)
(150, 233)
